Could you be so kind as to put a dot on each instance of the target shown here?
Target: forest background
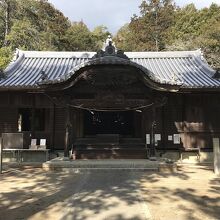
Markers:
(160, 26)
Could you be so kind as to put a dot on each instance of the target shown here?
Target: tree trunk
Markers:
(7, 17)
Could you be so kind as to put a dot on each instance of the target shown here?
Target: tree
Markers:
(125, 39)
(195, 29)
(6, 12)
(31, 25)
(152, 26)
(23, 35)
(99, 35)
(79, 38)
(210, 43)
(46, 20)
(5, 57)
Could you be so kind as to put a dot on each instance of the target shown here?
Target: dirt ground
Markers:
(191, 193)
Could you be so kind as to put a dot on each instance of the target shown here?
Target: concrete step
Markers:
(61, 164)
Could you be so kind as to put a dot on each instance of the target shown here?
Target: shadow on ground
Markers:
(34, 194)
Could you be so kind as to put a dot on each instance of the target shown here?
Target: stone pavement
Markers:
(89, 195)
(191, 193)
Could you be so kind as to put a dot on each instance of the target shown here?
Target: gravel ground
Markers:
(192, 193)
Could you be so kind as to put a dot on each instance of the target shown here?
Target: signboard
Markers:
(12, 140)
(157, 137)
(147, 138)
(43, 142)
(176, 138)
(170, 137)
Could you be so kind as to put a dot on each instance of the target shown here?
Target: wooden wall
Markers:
(196, 117)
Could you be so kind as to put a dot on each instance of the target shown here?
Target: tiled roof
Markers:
(187, 69)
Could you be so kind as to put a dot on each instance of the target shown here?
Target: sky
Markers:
(111, 13)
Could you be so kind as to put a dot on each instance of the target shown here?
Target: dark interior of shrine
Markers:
(99, 122)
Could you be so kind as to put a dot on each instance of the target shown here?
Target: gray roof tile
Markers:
(186, 68)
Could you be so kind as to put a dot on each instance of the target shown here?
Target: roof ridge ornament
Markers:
(109, 49)
(44, 76)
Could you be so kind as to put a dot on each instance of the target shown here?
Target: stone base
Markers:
(130, 164)
(187, 157)
(61, 164)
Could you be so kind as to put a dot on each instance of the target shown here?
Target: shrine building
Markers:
(112, 104)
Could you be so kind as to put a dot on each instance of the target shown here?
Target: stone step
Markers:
(61, 164)
(84, 141)
(110, 153)
(110, 146)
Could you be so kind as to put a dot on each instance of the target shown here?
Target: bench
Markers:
(191, 149)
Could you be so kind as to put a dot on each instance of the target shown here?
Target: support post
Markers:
(216, 150)
(68, 133)
(33, 117)
(153, 125)
(54, 125)
(1, 146)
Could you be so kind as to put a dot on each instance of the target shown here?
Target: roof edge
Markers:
(164, 54)
(90, 54)
(59, 54)
(201, 60)
(15, 62)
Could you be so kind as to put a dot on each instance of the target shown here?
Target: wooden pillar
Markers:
(68, 133)
(153, 125)
(33, 117)
(216, 151)
(1, 146)
(53, 126)
(164, 135)
(184, 135)
(67, 121)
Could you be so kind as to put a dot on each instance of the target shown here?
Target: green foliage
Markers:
(23, 35)
(37, 25)
(99, 35)
(194, 29)
(152, 26)
(5, 57)
(33, 24)
(125, 39)
(78, 37)
(163, 26)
